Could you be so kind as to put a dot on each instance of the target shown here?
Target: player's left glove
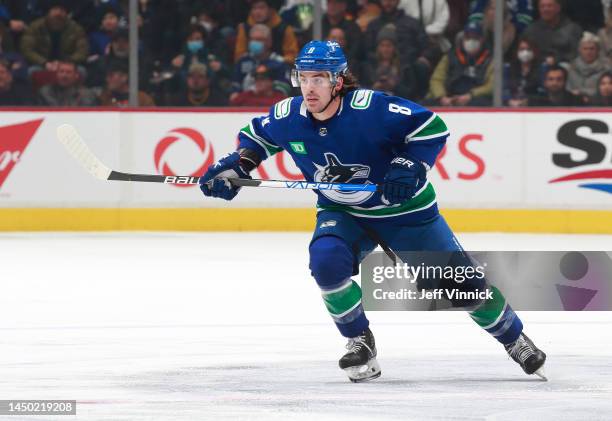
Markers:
(215, 182)
(405, 177)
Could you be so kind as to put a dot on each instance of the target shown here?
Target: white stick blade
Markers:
(72, 141)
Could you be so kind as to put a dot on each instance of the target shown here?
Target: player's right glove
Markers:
(405, 177)
(215, 181)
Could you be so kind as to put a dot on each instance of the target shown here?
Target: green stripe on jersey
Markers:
(421, 201)
(340, 301)
(435, 127)
(270, 149)
(490, 310)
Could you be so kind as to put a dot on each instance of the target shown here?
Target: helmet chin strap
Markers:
(331, 99)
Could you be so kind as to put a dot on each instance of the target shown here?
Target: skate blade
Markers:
(541, 373)
(364, 373)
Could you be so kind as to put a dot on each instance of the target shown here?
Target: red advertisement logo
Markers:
(183, 134)
(477, 162)
(14, 140)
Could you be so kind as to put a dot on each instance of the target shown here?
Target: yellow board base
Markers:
(237, 219)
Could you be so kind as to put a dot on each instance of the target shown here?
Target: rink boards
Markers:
(545, 171)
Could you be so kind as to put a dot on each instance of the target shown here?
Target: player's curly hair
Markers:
(350, 83)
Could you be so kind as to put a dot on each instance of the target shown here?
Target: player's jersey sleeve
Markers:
(260, 134)
(413, 129)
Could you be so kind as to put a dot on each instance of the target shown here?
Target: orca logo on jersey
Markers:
(336, 172)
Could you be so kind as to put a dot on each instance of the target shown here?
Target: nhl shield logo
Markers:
(322, 131)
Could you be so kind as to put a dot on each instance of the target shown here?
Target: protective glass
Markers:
(299, 79)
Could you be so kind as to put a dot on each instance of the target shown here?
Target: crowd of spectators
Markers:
(240, 52)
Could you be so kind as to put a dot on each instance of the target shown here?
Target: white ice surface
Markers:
(231, 326)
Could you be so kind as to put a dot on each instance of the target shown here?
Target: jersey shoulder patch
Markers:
(282, 109)
(362, 98)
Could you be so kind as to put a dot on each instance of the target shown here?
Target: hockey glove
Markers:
(215, 182)
(405, 177)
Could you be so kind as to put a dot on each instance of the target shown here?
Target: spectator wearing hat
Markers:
(117, 55)
(12, 93)
(117, 90)
(553, 33)
(284, 42)
(260, 43)
(67, 90)
(53, 38)
(586, 69)
(200, 91)
(263, 93)
(100, 39)
(556, 93)
(465, 75)
(409, 32)
(385, 72)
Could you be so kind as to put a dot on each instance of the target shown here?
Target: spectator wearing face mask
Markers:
(195, 50)
(282, 37)
(219, 36)
(465, 75)
(586, 69)
(260, 53)
(523, 75)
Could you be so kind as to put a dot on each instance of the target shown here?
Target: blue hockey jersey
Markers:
(356, 145)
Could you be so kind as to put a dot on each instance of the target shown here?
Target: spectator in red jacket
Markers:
(263, 93)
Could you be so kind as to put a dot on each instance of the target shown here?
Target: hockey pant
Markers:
(340, 242)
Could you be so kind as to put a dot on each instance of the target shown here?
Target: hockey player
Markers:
(336, 132)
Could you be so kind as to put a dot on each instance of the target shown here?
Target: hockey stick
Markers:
(72, 141)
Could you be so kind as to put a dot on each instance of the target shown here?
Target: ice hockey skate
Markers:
(360, 361)
(527, 355)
